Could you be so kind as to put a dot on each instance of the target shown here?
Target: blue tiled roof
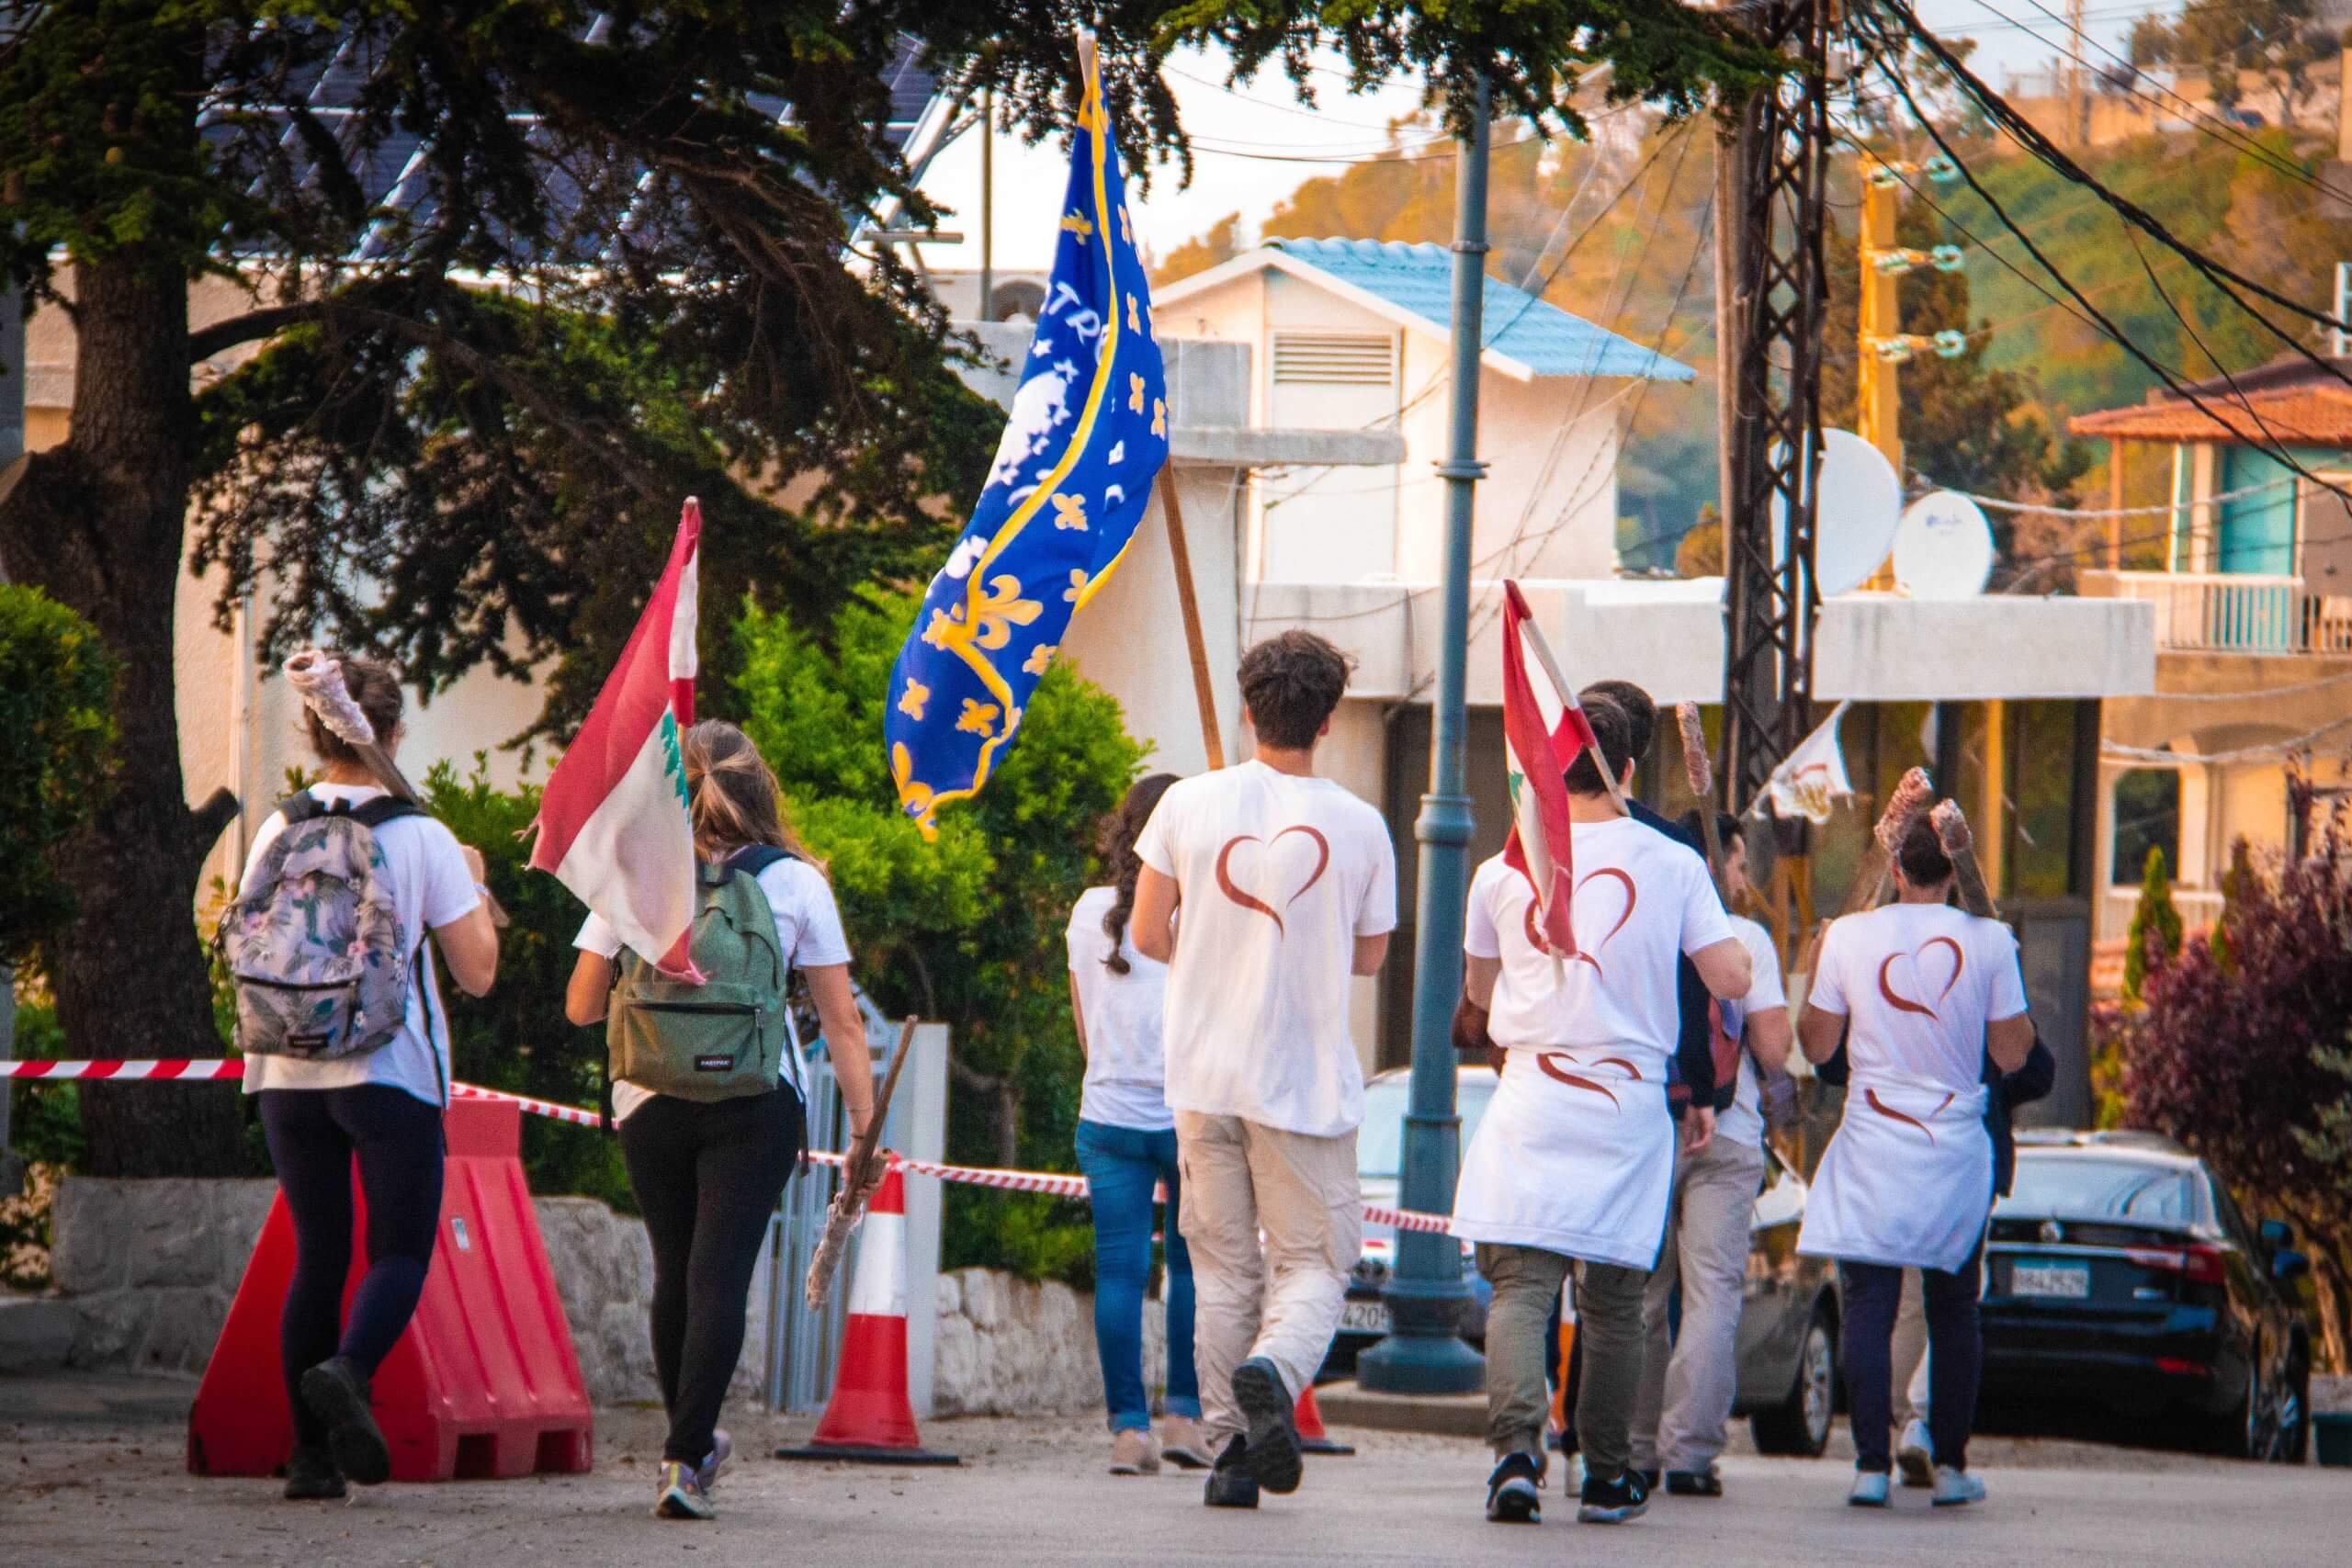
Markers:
(1546, 339)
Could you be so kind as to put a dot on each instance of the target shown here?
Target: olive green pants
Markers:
(1526, 1280)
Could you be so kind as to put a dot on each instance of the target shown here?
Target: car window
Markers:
(1380, 1154)
(2233, 1220)
(2069, 1186)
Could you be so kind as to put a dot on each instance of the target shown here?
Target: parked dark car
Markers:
(2119, 1272)
(1788, 1330)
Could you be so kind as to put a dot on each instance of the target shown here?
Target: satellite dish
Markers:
(1944, 548)
(1861, 506)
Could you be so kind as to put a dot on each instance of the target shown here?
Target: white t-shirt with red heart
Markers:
(1576, 1152)
(1919, 982)
(1278, 874)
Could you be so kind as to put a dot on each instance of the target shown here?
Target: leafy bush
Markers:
(2154, 936)
(2235, 1060)
(968, 928)
(57, 712)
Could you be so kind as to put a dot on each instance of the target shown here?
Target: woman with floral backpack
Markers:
(346, 1048)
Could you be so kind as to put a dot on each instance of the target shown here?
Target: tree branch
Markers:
(220, 337)
(205, 822)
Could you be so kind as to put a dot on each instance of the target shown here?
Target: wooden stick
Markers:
(1951, 829)
(857, 1180)
(1699, 771)
(1212, 739)
(1542, 651)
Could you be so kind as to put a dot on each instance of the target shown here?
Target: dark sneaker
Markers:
(1649, 1478)
(1613, 1501)
(1230, 1483)
(1511, 1491)
(678, 1494)
(310, 1476)
(337, 1394)
(1693, 1484)
(1271, 1453)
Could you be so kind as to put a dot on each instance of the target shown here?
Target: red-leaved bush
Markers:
(2221, 1057)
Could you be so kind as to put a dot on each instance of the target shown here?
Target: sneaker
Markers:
(1230, 1483)
(310, 1475)
(722, 1450)
(678, 1494)
(1613, 1501)
(1649, 1478)
(1181, 1445)
(1133, 1453)
(337, 1394)
(1511, 1491)
(1272, 1452)
(1870, 1490)
(1915, 1456)
(1956, 1487)
(1694, 1483)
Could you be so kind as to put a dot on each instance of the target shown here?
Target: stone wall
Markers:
(1008, 1347)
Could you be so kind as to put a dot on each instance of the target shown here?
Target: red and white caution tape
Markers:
(1059, 1185)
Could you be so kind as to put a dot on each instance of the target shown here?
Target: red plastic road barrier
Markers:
(483, 1385)
(869, 1418)
(1312, 1437)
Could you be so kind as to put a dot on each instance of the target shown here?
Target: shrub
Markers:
(2234, 1061)
(57, 714)
(2154, 936)
(968, 928)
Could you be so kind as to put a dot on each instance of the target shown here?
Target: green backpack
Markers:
(729, 1035)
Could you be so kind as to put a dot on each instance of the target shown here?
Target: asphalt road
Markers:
(91, 1472)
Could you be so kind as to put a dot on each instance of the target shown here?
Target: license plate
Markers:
(2070, 1281)
(1364, 1317)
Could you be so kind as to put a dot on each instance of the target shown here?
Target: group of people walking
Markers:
(1210, 983)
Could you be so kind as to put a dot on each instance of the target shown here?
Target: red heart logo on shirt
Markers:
(1587, 951)
(1544, 1064)
(1917, 961)
(1248, 900)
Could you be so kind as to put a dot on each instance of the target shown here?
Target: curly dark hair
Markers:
(1120, 832)
(1291, 682)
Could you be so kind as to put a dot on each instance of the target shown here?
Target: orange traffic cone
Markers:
(1312, 1437)
(869, 1417)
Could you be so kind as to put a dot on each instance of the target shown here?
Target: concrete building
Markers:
(2253, 631)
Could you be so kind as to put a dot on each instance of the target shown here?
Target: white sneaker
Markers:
(1915, 1456)
(1870, 1489)
(1954, 1487)
(1133, 1452)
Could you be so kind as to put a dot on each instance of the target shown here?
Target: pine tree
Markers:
(2154, 937)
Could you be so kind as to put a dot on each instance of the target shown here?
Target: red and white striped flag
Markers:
(615, 824)
(1541, 847)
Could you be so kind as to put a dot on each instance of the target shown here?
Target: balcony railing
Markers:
(2234, 611)
(2199, 908)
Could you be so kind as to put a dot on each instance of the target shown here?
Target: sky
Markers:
(1255, 144)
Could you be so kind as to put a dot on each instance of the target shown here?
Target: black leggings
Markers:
(708, 1177)
(313, 1134)
(1955, 1357)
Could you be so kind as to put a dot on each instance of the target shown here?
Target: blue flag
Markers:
(1072, 476)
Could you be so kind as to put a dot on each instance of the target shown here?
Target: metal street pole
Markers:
(1424, 1352)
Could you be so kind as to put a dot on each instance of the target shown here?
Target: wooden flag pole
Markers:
(1212, 740)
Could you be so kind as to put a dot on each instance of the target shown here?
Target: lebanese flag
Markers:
(614, 824)
(1541, 847)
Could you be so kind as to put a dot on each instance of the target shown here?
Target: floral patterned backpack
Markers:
(314, 950)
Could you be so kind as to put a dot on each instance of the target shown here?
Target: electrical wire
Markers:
(2214, 759)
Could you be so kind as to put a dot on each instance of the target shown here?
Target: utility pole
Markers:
(1424, 1352)
(1875, 393)
(988, 203)
(2078, 84)
(12, 450)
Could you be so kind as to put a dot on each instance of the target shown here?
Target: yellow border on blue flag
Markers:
(1097, 123)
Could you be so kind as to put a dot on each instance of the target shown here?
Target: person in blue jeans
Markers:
(1126, 1147)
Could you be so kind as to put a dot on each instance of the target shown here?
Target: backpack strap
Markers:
(300, 807)
(753, 859)
(373, 814)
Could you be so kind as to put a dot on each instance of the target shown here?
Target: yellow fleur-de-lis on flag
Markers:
(910, 701)
(1069, 511)
(1134, 325)
(1000, 609)
(1076, 223)
(1076, 586)
(1126, 229)
(1159, 417)
(979, 718)
(1135, 392)
(941, 630)
(1039, 657)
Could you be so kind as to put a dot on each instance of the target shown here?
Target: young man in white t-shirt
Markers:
(1573, 1164)
(1288, 889)
(1907, 1182)
(1687, 1391)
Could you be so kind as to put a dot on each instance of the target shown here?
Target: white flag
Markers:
(1810, 777)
